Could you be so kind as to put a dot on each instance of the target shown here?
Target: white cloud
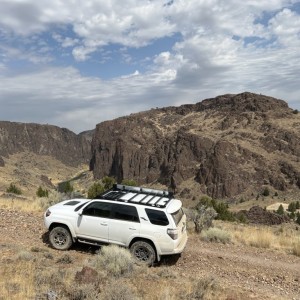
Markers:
(223, 47)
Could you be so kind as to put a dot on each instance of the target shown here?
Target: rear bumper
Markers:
(180, 247)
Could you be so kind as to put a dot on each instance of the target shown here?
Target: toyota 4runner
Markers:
(149, 222)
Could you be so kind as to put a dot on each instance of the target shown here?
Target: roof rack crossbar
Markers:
(119, 190)
(147, 191)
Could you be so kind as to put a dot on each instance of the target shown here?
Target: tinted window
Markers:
(157, 217)
(177, 216)
(98, 209)
(126, 213)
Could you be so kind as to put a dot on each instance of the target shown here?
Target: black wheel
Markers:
(60, 238)
(143, 253)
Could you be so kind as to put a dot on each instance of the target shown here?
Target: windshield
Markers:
(177, 216)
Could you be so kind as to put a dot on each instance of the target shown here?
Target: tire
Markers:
(60, 238)
(143, 253)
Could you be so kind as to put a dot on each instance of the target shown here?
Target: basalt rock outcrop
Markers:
(223, 147)
(60, 143)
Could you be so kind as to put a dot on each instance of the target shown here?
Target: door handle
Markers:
(103, 224)
(131, 228)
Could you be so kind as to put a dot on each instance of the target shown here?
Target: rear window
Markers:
(177, 216)
(157, 217)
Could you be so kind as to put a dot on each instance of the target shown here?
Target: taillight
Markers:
(48, 213)
(173, 233)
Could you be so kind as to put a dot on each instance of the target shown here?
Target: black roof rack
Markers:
(137, 195)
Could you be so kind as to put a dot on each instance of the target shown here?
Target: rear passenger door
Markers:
(124, 224)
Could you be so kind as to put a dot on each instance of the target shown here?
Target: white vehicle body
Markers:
(123, 216)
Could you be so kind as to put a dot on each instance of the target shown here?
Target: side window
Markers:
(98, 209)
(157, 217)
(126, 213)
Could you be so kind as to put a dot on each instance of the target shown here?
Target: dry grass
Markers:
(37, 275)
(296, 247)
(15, 203)
(283, 237)
(215, 234)
(17, 280)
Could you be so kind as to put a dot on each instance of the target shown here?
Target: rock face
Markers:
(222, 147)
(60, 143)
(257, 215)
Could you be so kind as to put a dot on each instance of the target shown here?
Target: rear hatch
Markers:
(179, 217)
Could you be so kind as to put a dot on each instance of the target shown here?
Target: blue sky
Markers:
(77, 63)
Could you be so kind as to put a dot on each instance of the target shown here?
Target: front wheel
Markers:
(143, 253)
(60, 238)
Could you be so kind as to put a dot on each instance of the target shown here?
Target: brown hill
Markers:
(33, 155)
(223, 147)
(59, 143)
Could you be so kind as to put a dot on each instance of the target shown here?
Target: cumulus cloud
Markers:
(220, 47)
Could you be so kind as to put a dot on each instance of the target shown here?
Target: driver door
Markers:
(94, 220)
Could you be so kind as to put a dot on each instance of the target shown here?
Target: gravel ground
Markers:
(252, 272)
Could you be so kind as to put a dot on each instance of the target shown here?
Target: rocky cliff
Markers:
(60, 143)
(223, 147)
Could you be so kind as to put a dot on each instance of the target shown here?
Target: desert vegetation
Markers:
(39, 272)
(110, 274)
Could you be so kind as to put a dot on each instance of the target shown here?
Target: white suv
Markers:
(149, 222)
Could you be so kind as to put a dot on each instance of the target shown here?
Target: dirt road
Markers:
(254, 273)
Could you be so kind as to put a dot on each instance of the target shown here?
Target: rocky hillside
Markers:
(225, 146)
(59, 143)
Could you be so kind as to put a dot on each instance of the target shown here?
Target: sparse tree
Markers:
(298, 218)
(280, 210)
(292, 207)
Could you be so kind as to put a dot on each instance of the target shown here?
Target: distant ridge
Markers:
(60, 143)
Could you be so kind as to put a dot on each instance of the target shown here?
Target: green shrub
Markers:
(108, 182)
(53, 198)
(220, 207)
(96, 189)
(202, 217)
(115, 260)
(266, 192)
(42, 192)
(13, 189)
(129, 182)
(298, 218)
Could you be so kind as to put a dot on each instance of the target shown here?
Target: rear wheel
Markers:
(143, 253)
(60, 238)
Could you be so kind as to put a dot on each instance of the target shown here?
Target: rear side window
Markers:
(126, 213)
(157, 217)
